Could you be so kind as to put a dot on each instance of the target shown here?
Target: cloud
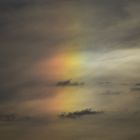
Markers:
(35, 31)
(137, 84)
(25, 90)
(105, 37)
(13, 118)
(112, 92)
(69, 83)
(77, 114)
(136, 87)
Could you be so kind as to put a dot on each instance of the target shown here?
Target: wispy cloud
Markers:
(69, 83)
(77, 114)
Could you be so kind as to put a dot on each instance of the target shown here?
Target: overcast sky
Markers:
(93, 43)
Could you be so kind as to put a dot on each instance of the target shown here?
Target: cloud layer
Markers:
(33, 33)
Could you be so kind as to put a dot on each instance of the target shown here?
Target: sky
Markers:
(67, 56)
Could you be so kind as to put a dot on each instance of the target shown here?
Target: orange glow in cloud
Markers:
(65, 64)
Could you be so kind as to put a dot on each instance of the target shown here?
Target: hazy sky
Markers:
(94, 42)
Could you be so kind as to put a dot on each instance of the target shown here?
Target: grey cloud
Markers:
(12, 5)
(77, 114)
(13, 118)
(134, 136)
(136, 87)
(69, 83)
(26, 90)
(17, 118)
(132, 36)
(112, 93)
(137, 84)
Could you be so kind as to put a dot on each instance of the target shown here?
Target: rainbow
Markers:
(65, 64)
